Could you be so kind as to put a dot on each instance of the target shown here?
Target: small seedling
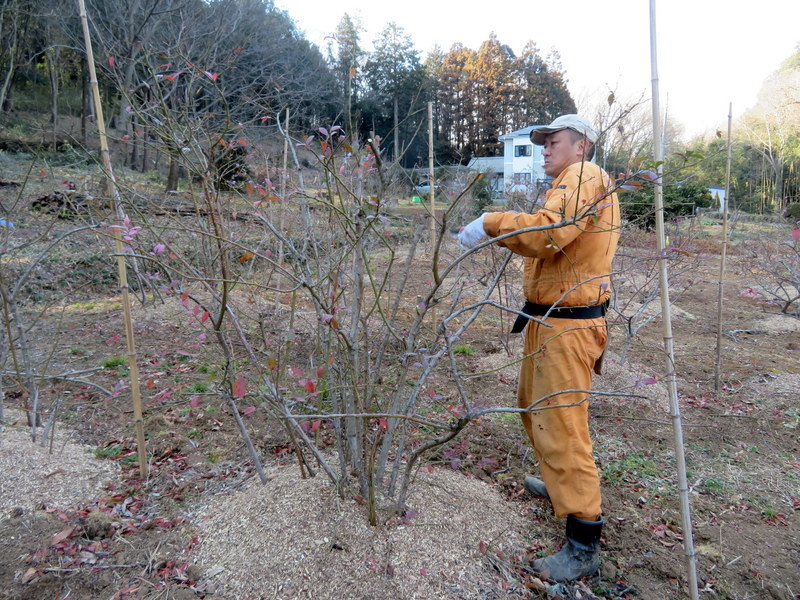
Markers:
(464, 349)
(108, 452)
(114, 362)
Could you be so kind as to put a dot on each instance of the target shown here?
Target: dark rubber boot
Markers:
(535, 487)
(580, 556)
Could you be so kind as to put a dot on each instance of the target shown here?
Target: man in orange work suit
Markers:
(566, 285)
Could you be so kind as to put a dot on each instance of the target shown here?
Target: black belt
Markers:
(560, 312)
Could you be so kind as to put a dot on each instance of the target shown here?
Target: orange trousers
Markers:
(559, 358)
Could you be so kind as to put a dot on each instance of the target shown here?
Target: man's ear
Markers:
(583, 147)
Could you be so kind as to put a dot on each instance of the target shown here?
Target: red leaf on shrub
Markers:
(111, 61)
(249, 410)
(321, 371)
(315, 425)
(383, 423)
(205, 317)
(310, 387)
(796, 234)
(240, 387)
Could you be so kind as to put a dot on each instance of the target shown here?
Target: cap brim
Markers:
(539, 134)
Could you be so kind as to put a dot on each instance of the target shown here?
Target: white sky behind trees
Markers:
(710, 52)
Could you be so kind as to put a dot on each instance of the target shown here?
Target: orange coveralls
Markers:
(566, 266)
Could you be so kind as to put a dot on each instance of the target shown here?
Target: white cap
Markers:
(574, 122)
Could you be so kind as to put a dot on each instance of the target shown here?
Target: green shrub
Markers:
(482, 192)
(793, 211)
(638, 207)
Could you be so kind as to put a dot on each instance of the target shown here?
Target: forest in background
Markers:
(169, 69)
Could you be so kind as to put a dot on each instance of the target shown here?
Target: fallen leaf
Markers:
(29, 575)
(62, 535)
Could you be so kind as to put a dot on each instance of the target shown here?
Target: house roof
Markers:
(524, 132)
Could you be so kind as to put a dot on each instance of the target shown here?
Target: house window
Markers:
(522, 150)
(522, 178)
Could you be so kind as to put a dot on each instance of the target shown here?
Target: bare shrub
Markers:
(636, 297)
(775, 267)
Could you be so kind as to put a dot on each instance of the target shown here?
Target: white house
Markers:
(523, 163)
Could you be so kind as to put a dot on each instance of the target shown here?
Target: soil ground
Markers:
(76, 522)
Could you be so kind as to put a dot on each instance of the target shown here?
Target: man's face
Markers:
(560, 152)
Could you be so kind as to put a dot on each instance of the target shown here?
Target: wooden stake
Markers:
(113, 191)
(666, 317)
(720, 296)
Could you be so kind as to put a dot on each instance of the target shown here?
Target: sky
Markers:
(711, 53)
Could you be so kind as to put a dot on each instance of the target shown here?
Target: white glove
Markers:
(473, 234)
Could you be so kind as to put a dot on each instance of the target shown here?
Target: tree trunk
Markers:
(52, 71)
(174, 172)
(144, 149)
(396, 129)
(12, 56)
(86, 101)
(135, 141)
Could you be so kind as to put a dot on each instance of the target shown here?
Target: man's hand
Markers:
(473, 234)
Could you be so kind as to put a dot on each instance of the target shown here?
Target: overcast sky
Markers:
(710, 52)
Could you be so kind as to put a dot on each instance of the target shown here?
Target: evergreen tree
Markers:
(347, 67)
(395, 105)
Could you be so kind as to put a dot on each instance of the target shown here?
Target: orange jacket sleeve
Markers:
(576, 195)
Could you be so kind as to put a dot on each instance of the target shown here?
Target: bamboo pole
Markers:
(431, 175)
(680, 458)
(718, 370)
(282, 207)
(113, 191)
